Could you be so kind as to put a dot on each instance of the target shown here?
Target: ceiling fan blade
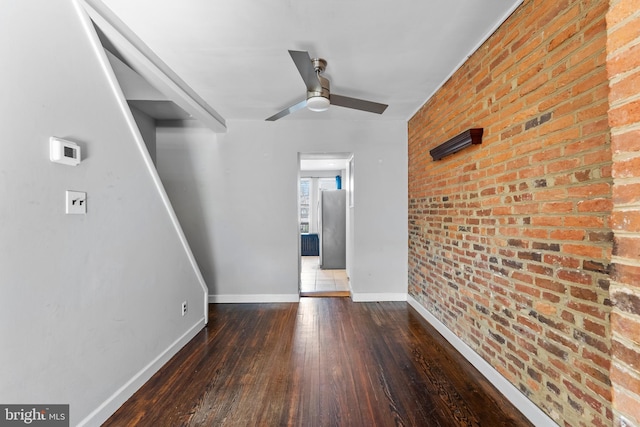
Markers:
(287, 111)
(357, 104)
(306, 69)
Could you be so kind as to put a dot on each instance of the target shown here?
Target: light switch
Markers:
(76, 202)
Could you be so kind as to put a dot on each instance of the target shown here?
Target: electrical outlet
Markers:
(184, 308)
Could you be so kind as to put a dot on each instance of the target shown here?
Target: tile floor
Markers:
(314, 279)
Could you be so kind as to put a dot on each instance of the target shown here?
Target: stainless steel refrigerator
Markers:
(332, 225)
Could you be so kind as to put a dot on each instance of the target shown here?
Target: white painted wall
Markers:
(239, 192)
(89, 305)
(147, 127)
(184, 160)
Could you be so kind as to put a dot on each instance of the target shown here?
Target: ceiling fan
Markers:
(318, 95)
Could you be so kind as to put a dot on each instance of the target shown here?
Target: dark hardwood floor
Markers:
(322, 362)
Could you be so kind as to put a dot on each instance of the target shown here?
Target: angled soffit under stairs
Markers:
(141, 95)
(148, 83)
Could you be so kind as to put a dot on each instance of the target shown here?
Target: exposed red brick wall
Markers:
(623, 66)
(510, 241)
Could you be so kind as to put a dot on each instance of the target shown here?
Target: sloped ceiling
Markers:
(233, 53)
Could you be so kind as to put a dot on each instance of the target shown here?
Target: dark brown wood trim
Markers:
(457, 143)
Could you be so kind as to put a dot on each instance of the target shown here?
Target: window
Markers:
(305, 187)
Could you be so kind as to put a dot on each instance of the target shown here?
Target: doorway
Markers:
(323, 212)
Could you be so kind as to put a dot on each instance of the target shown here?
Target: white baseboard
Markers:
(253, 298)
(111, 405)
(515, 396)
(266, 298)
(377, 297)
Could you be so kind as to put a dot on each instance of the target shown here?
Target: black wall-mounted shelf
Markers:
(457, 143)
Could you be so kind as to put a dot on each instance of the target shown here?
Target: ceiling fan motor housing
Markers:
(319, 100)
(324, 83)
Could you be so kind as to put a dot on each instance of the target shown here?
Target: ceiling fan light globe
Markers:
(318, 103)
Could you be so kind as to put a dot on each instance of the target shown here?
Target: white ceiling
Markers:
(234, 53)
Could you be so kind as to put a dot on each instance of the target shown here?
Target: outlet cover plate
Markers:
(76, 202)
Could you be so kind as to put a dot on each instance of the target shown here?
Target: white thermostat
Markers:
(63, 151)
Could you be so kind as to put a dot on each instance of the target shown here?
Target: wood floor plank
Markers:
(320, 362)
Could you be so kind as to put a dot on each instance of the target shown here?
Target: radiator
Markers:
(309, 245)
